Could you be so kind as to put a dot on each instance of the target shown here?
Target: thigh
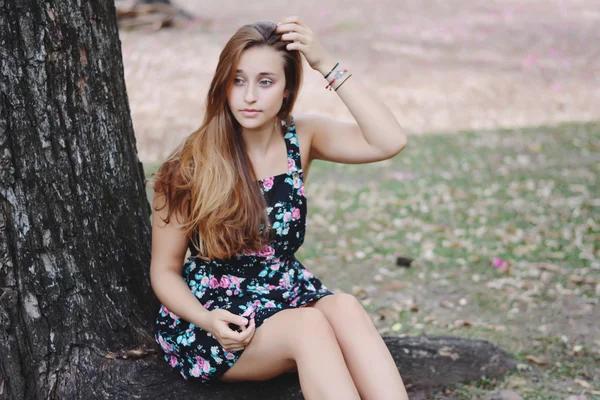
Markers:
(270, 352)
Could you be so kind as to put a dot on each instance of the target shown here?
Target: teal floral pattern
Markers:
(254, 284)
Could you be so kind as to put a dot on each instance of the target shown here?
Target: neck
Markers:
(258, 140)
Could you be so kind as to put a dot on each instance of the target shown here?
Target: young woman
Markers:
(233, 193)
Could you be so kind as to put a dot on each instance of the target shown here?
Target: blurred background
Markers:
(495, 198)
(439, 65)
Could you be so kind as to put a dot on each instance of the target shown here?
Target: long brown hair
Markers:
(209, 178)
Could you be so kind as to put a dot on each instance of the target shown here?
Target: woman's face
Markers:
(259, 84)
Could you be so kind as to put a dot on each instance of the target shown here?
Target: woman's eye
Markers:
(263, 82)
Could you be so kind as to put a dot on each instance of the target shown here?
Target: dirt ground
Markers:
(440, 65)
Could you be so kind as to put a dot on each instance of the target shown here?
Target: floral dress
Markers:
(254, 284)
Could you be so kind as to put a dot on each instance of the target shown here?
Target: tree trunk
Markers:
(75, 233)
(74, 215)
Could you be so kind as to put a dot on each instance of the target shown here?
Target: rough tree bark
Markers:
(74, 216)
(75, 234)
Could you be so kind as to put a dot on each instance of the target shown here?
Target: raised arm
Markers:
(376, 135)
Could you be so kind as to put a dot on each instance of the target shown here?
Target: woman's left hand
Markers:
(303, 40)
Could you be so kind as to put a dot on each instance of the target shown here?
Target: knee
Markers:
(346, 308)
(312, 322)
(311, 317)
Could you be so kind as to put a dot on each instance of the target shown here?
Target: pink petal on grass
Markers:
(499, 263)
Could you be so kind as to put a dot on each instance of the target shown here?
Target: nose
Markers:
(250, 96)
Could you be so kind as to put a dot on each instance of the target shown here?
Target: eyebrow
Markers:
(260, 74)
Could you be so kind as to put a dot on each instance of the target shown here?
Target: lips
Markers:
(250, 113)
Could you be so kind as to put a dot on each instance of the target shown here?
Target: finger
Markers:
(235, 320)
(245, 335)
(293, 28)
(296, 46)
(229, 336)
(294, 36)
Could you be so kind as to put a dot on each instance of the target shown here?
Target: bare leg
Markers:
(369, 361)
(300, 337)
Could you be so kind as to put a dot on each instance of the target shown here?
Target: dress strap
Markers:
(293, 148)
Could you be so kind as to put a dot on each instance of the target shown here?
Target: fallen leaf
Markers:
(359, 292)
(535, 360)
(386, 313)
(460, 323)
(576, 279)
(397, 327)
(394, 285)
(583, 383)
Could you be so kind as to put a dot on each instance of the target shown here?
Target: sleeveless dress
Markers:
(254, 284)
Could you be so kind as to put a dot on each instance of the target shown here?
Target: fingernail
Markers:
(244, 321)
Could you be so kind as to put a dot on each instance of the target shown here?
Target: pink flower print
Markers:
(204, 281)
(206, 367)
(229, 356)
(275, 266)
(213, 282)
(297, 183)
(248, 311)
(173, 361)
(196, 370)
(268, 183)
(301, 190)
(225, 282)
(267, 251)
(295, 213)
(287, 216)
(165, 345)
(269, 304)
(291, 164)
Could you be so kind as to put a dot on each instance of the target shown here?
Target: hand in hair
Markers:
(303, 39)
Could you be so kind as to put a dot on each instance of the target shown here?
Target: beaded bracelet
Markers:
(337, 76)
